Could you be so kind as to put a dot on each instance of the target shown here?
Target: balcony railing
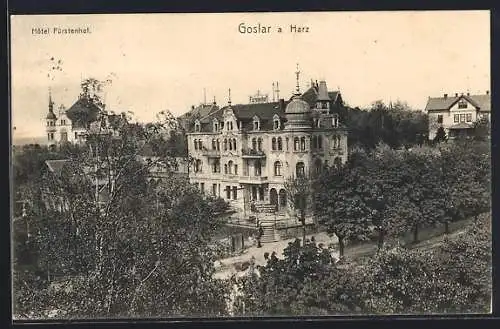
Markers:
(211, 153)
(251, 153)
(252, 179)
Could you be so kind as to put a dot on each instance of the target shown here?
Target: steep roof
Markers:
(82, 112)
(482, 102)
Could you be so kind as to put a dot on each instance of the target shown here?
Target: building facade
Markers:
(244, 153)
(457, 114)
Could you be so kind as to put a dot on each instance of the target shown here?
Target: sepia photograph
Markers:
(228, 165)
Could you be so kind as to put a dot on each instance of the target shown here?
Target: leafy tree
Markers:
(440, 135)
(339, 205)
(305, 281)
(125, 246)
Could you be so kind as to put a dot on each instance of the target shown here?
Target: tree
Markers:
(339, 205)
(440, 135)
(423, 189)
(143, 249)
(305, 281)
(299, 195)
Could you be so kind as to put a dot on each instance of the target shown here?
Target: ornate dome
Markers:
(297, 106)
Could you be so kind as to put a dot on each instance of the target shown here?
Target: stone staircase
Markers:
(269, 233)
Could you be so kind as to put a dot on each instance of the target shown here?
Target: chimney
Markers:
(445, 96)
(468, 94)
(282, 104)
(487, 92)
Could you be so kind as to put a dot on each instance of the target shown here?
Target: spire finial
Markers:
(215, 101)
(297, 73)
(51, 104)
(229, 97)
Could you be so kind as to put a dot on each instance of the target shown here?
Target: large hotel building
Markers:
(245, 152)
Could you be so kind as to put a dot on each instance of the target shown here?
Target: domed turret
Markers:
(298, 111)
(297, 106)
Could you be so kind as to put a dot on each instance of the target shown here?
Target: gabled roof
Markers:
(481, 102)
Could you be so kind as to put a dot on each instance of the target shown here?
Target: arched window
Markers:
(273, 144)
(197, 126)
(259, 144)
(320, 142)
(230, 145)
(225, 168)
(335, 121)
(236, 169)
(258, 168)
(218, 145)
(230, 167)
(225, 144)
(337, 162)
(234, 144)
(277, 168)
(318, 166)
(198, 165)
(339, 145)
(276, 122)
(286, 140)
(254, 144)
(216, 125)
(200, 144)
(280, 144)
(314, 142)
(300, 169)
(231, 125)
(214, 144)
(296, 144)
(256, 123)
(318, 123)
(302, 143)
(195, 144)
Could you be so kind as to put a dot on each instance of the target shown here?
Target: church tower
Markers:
(51, 120)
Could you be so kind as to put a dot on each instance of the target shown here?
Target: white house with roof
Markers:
(457, 114)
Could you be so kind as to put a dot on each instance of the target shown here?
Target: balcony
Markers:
(252, 179)
(252, 154)
(211, 153)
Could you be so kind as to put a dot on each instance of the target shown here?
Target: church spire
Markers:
(51, 103)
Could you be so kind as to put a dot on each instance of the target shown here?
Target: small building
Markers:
(457, 114)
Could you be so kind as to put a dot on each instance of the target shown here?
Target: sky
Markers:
(171, 61)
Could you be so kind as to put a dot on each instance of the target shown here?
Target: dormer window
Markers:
(276, 122)
(197, 126)
(256, 123)
(462, 104)
(216, 125)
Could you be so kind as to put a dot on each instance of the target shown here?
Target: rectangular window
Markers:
(236, 169)
(469, 117)
(64, 136)
(440, 118)
(462, 117)
(235, 193)
(462, 105)
(202, 187)
(456, 118)
(228, 192)
(214, 189)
